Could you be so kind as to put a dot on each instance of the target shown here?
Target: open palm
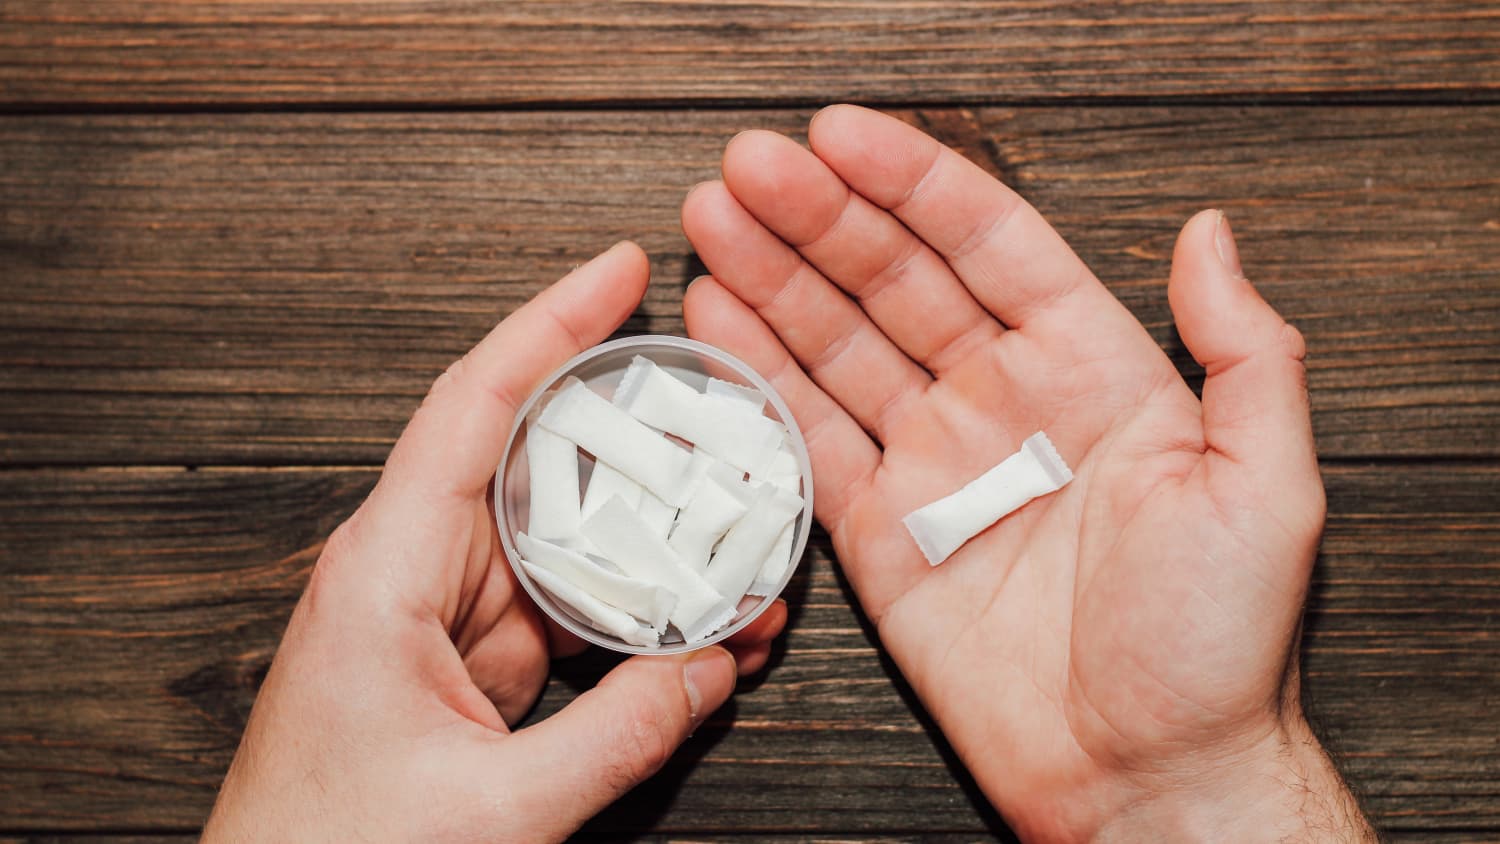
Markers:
(1113, 641)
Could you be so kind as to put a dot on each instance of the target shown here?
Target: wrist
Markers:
(1282, 787)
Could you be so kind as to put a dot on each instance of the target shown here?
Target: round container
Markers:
(601, 368)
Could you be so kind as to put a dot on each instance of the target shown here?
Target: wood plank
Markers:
(75, 52)
(142, 607)
(202, 289)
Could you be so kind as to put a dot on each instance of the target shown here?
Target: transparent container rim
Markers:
(641, 344)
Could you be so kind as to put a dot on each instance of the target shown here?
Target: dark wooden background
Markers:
(238, 240)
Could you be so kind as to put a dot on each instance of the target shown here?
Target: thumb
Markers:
(619, 733)
(1255, 406)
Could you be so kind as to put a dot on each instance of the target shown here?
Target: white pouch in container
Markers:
(628, 542)
(941, 527)
(657, 514)
(701, 466)
(731, 390)
(780, 557)
(703, 521)
(646, 601)
(605, 482)
(617, 438)
(784, 465)
(553, 463)
(733, 481)
(600, 615)
(778, 560)
(743, 552)
(726, 428)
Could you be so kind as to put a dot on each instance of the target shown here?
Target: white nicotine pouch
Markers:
(646, 601)
(552, 461)
(624, 539)
(663, 517)
(618, 439)
(606, 481)
(731, 390)
(780, 556)
(657, 514)
(705, 519)
(941, 527)
(730, 429)
(783, 466)
(743, 552)
(600, 616)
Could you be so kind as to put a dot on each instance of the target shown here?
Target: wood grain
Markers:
(74, 52)
(141, 607)
(267, 289)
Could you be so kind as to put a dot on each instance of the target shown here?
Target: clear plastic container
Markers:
(601, 369)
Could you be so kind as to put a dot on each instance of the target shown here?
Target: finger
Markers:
(507, 597)
(454, 442)
(907, 289)
(751, 659)
(615, 735)
(752, 646)
(843, 457)
(560, 643)
(828, 334)
(1255, 406)
(766, 626)
(1007, 255)
(508, 663)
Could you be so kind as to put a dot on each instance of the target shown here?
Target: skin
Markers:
(1116, 661)
(388, 712)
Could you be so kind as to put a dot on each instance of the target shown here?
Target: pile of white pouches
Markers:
(668, 529)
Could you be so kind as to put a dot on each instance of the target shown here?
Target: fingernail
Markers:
(1229, 254)
(709, 678)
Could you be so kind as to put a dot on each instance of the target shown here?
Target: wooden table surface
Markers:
(239, 239)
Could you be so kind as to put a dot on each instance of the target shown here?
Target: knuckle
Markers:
(338, 547)
(1316, 501)
(450, 376)
(1291, 341)
(1304, 509)
(344, 537)
(337, 551)
(1286, 350)
(344, 581)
